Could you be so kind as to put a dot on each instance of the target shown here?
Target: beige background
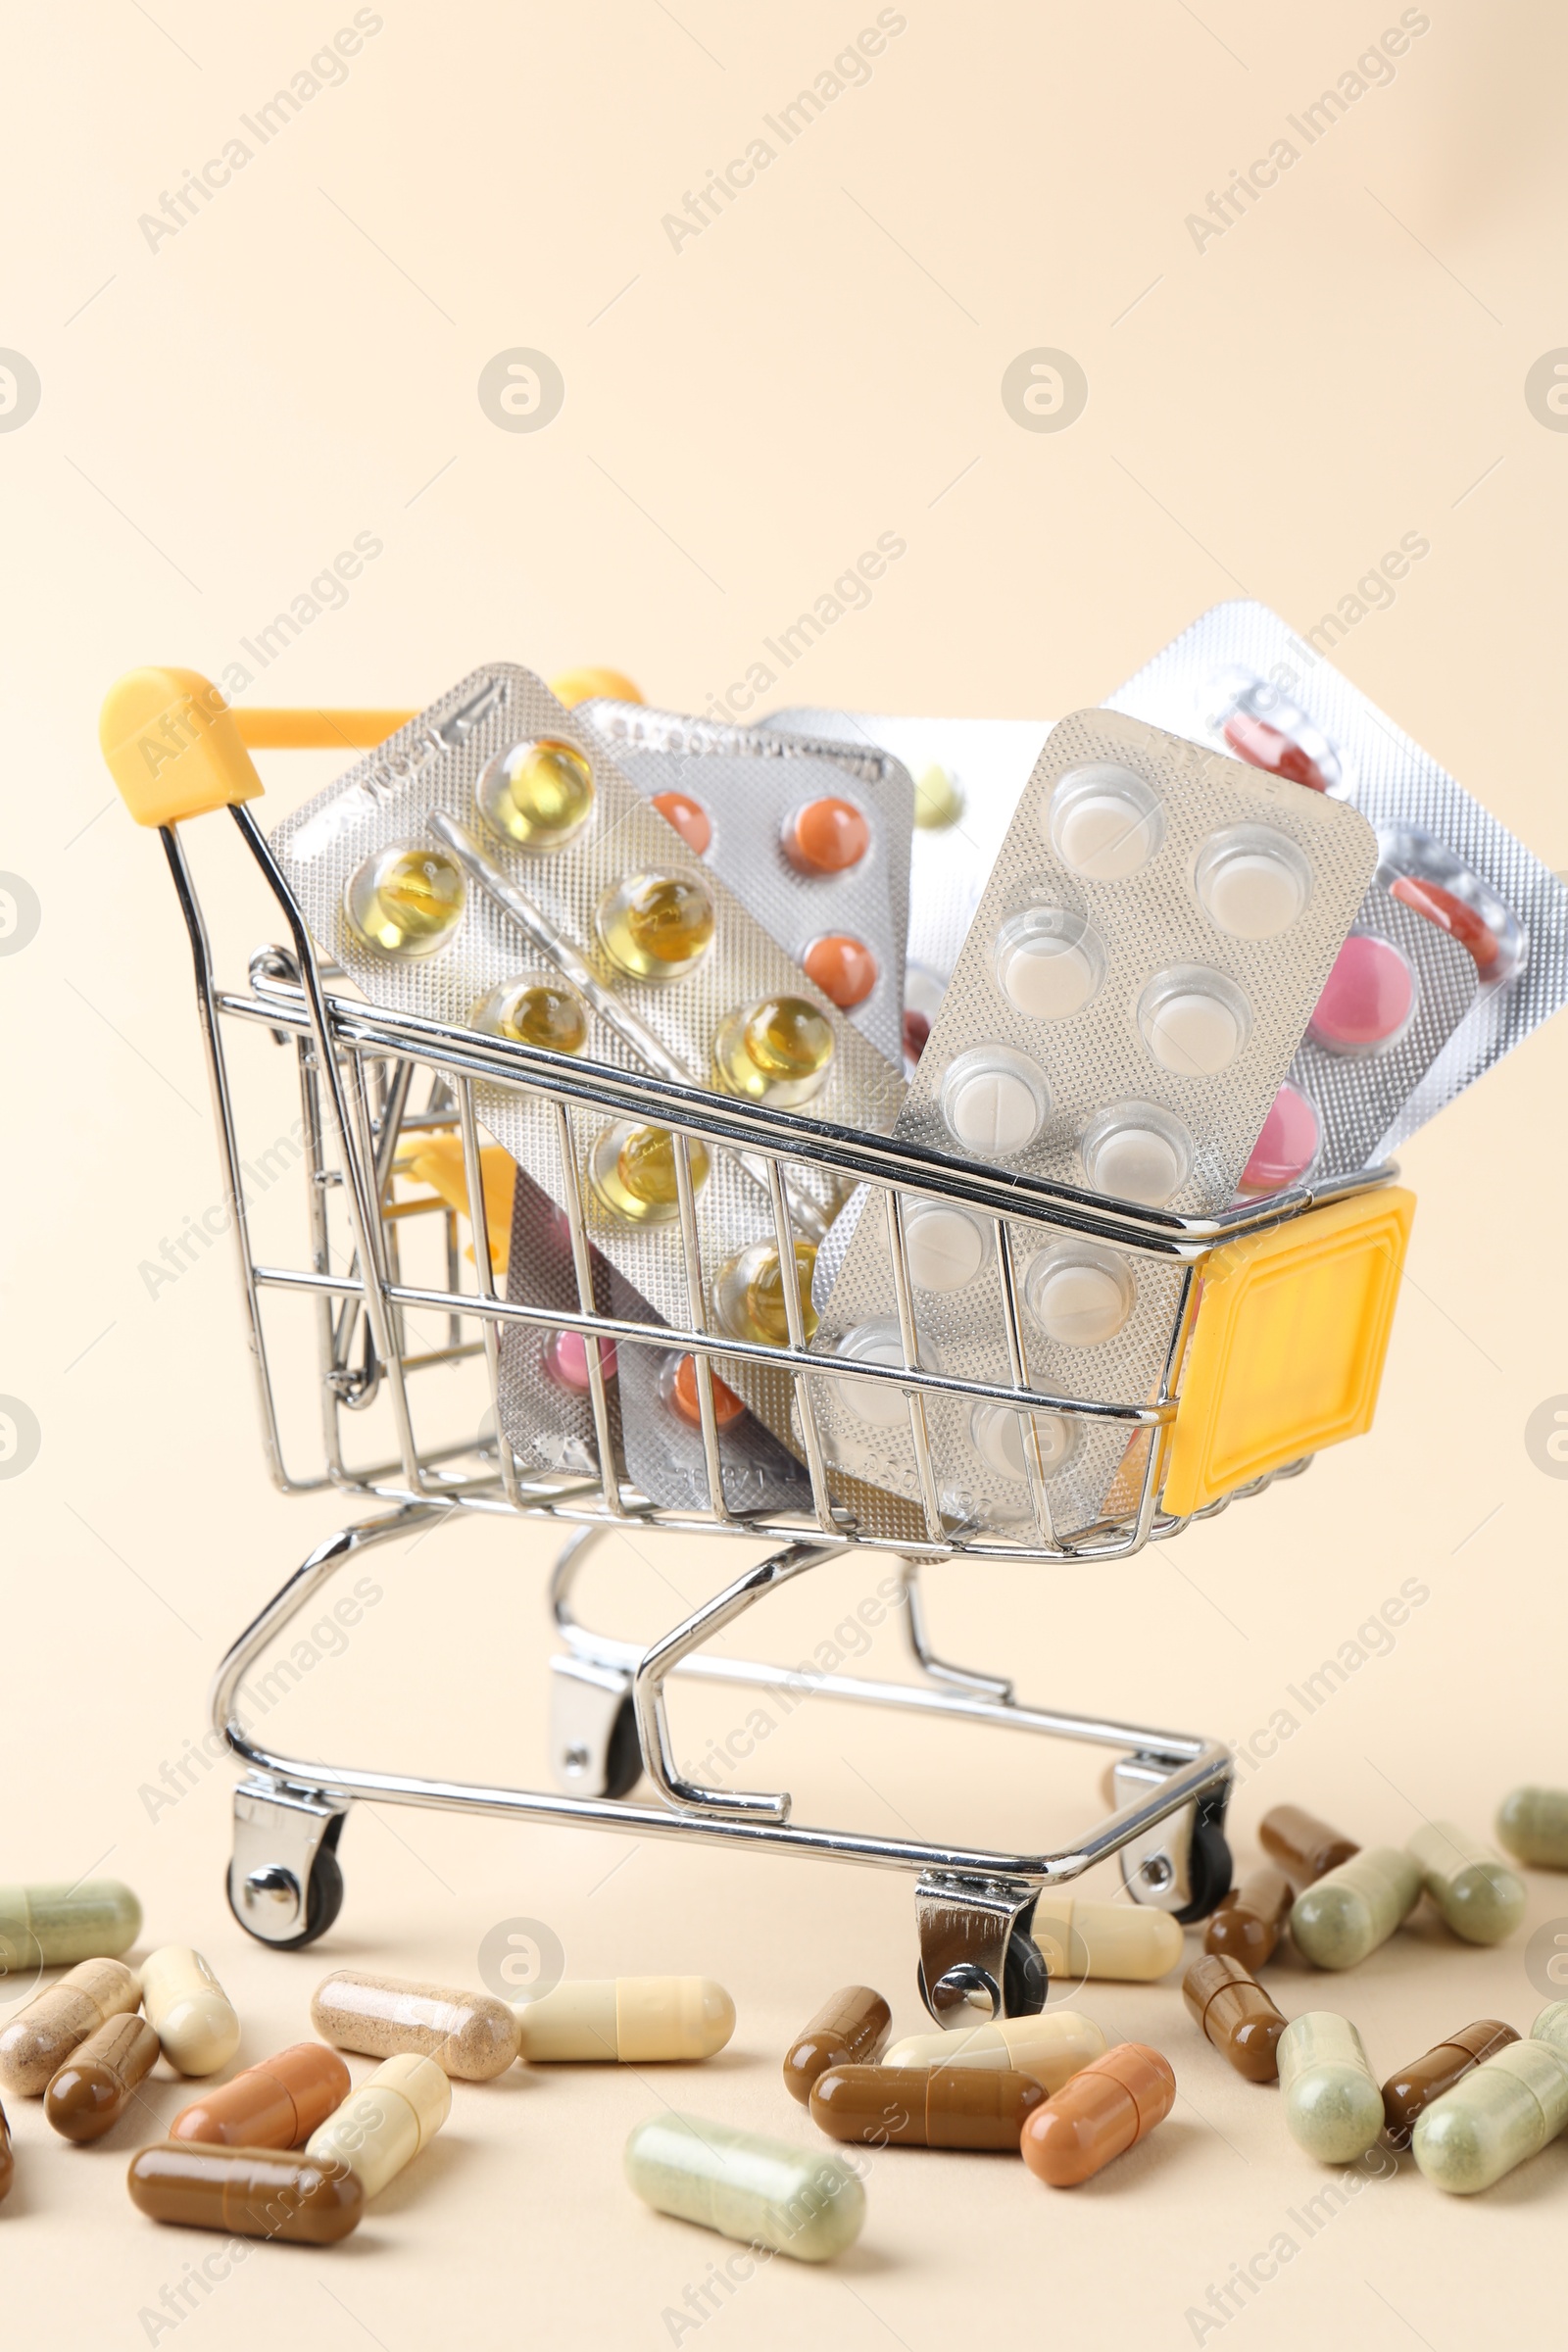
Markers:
(220, 416)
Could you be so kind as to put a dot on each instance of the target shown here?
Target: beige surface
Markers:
(819, 366)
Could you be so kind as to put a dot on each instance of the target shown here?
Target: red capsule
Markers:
(1450, 915)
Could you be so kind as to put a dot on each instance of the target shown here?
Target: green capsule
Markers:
(55, 1927)
(1552, 2025)
(1355, 1906)
(1502, 2112)
(1533, 1824)
(1481, 1898)
(762, 2191)
(1333, 2106)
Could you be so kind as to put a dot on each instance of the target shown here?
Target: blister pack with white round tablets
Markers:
(496, 828)
(1159, 925)
(813, 837)
(1242, 679)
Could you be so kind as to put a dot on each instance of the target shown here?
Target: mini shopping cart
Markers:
(1277, 1351)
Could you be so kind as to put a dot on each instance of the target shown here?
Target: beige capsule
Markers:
(1052, 2047)
(39, 2041)
(188, 2010)
(385, 2124)
(468, 2035)
(627, 2019)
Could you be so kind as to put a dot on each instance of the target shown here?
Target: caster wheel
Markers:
(623, 1758)
(1024, 1978)
(324, 1897)
(1208, 1866)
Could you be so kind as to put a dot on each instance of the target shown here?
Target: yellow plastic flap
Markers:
(172, 747)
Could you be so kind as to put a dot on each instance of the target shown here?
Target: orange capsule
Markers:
(1450, 914)
(843, 967)
(688, 817)
(678, 1388)
(826, 837)
(1107, 2107)
(278, 2104)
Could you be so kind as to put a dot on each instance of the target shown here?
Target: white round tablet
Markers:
(997, 1434)
(1135, 1163)
(1192, 1032)
(1106, 822)
(1079, 1297)
(946, 1246)
(994, 1102)
(1253, 893)
(875, 1401)
(1047, 963)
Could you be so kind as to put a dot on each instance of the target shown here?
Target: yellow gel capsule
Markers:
(1052, 2047)
(188, 2010)
(383, 2125)
(535, 1010)
(1132, 1942)
(540, 794)
(656, 927)
(634, 1171)
(627, 2020)
(406, 900)
(938, 800)
(594, 683)
(780, 1050)
(749, 1294)
(762, 2191)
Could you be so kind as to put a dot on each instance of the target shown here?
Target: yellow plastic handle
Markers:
(318, 730)
(172, 747)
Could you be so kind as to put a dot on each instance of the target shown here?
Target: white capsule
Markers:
(629, 2020)
(1051, 2047)
(188, 2010)
(383, 2125)
(1132, 1942)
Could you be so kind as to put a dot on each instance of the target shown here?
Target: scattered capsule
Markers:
(764, 2192)
(1333, 2106)
(188, 2010)
(1354, 1907)
(539, 794)
(1481, 1898)
(1050, 2046)
(1533, 1824)
(470, 2034)
(56, 1926)
(925, 2106)
(1251, 1920)
(938, 800)
(656, 927)
(1235, 2014)
(1552, 2025)
(1409, 2092)
(383, 2125)
(1493, 2118)
(97, 2082)
(1104, 2110)
(278, 2104)
(247, 2193)
(629, 2019)
(850, 2030)
(779, 1051)
(1304, 1847)
(826, 837)
(40, 2038)
(1130, 1941)
(406, 901)
(8, 2163)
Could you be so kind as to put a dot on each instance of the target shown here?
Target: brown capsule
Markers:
(1251, 1921)
(1415, 2086)
(1235, 2015)
(925, 2106)
(278, 2104)
(1098, 2114)
(850, 2029)
(8, 2163)
(248, 2192)
(40, 2038)
(1304, 1847)
(470, 2034)
(97, 2082)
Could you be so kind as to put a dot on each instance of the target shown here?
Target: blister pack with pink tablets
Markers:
(1159, 925)
(1241, 680)
(546, 1378)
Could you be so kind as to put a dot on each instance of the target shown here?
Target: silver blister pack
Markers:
(741, 791)
(546, 1410)
(434, 768)
(1156, 929)
(1240, 677)
(664, 1441)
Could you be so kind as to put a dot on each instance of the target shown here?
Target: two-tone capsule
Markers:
(1494, 2118)
(188, 2010)
(385, 2124)
(1333, 2106)
(1355, 1906)
(850, 2029)
(278, 2104)
(55, 1925)
(1249, 1921)
(1408, 2093)
(1132, 1942)
(1480, 1897)
(631, 2020)
(1105, 2109)
(797, 2201)
(39, 2041)
(1235, 2014)
(971, 2107)
(470, 2034)
(1053, 2046)
(247, 2193)
(98, 2082)
(1304, 1847)
(1533, 1825)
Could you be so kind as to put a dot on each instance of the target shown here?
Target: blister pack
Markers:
(665, 1459)
(494, 828)
(1159, 925)
(813, 837)
(545, 1384)
(1241, 677)
(969, 774)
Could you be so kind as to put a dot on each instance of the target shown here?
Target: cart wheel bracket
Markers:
(977, 1959)
(591, 1726)
(285, 1842)
(1183, 1864)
